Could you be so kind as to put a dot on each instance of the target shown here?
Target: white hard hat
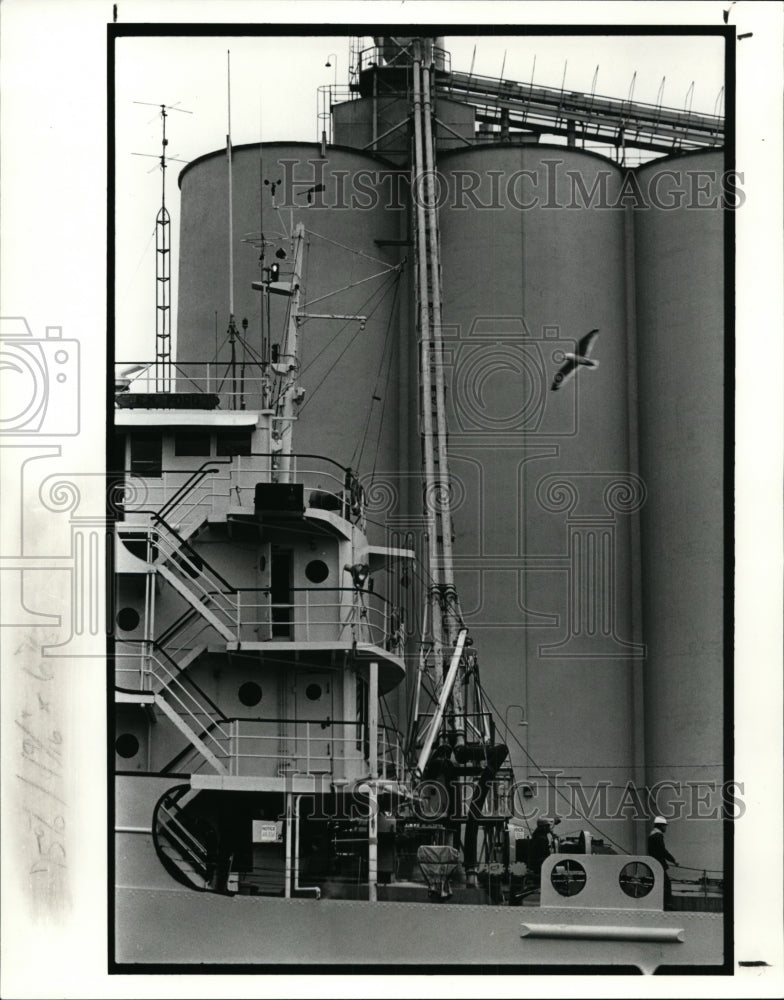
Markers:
(659, 821)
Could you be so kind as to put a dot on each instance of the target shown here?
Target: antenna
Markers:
(163, 265)
(232, 331)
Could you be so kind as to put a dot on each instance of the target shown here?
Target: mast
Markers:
(163, 278)
(288, 366)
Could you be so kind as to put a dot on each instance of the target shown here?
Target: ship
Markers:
(311, 770)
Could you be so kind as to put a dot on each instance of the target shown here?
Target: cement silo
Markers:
(679, 255)
(352, 212)
(534, 256)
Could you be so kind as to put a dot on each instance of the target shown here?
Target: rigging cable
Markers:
(337, 359)
(377, 291)
(554, 786)
(373, 393)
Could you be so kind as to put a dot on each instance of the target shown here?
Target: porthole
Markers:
(126, 745)
(317, 571)
(568, 878)
(249, 693)
(313, 692)
(127, 619)
(636, 879)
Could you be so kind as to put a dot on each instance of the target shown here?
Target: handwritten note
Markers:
(40, 774)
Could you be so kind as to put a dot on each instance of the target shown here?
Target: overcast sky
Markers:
(274, 87)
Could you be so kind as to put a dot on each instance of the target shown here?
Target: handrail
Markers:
(180, 672)
(186, 486)
(173, 795)
(186, 545)
(189, 748)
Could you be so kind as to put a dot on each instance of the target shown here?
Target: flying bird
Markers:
(574, 360)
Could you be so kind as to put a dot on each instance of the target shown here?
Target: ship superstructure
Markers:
(299, 707)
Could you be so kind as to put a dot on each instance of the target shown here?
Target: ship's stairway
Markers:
(189, 507)
(184, 569)
(165, 684)
(183, 843)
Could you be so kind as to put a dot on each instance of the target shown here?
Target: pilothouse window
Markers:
(146, 454)
(235, 443)
(194, 444)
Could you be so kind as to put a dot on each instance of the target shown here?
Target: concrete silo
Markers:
(679, 253)
(349, 206)
(547, 503)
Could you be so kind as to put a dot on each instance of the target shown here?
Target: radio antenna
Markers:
(232, 327)
(163, 265)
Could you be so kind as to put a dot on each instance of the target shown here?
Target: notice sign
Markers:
(266, 831)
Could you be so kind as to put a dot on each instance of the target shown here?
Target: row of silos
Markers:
(589, 540)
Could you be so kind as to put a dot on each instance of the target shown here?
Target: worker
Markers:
(539, 849)
(657, 850)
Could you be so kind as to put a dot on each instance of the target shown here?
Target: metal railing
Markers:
(395, 56)
(151, 670)
(355, 615)
(290, 746)
(184, 497)
(245, 385)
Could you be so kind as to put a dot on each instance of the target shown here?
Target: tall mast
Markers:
(163, 263)
(288, 364)
(163, 278)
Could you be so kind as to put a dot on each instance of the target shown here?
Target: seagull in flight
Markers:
(574, 360)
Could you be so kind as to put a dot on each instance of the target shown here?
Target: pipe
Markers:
(425, 374)
(287, 887)
(608, 932)
(297, 887)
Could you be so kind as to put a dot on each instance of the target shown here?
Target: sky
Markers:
(274, 95)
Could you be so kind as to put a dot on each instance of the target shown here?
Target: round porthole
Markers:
(127, 745)
(636, 879)
(250, 693)
(568, 878)
(313, 692)
(317, 571)
(127, 619)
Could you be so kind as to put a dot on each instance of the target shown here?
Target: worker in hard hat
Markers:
(657, 849)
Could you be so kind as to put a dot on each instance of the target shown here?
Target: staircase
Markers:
(185, 844)
(194, 579)
(189, 709)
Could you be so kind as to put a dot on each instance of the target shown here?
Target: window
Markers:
(317, 571)
(128, 619)
(146, 454)
(249, 693)
(568, 878)
(127, 745)
(194, 444)
(234, 443)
